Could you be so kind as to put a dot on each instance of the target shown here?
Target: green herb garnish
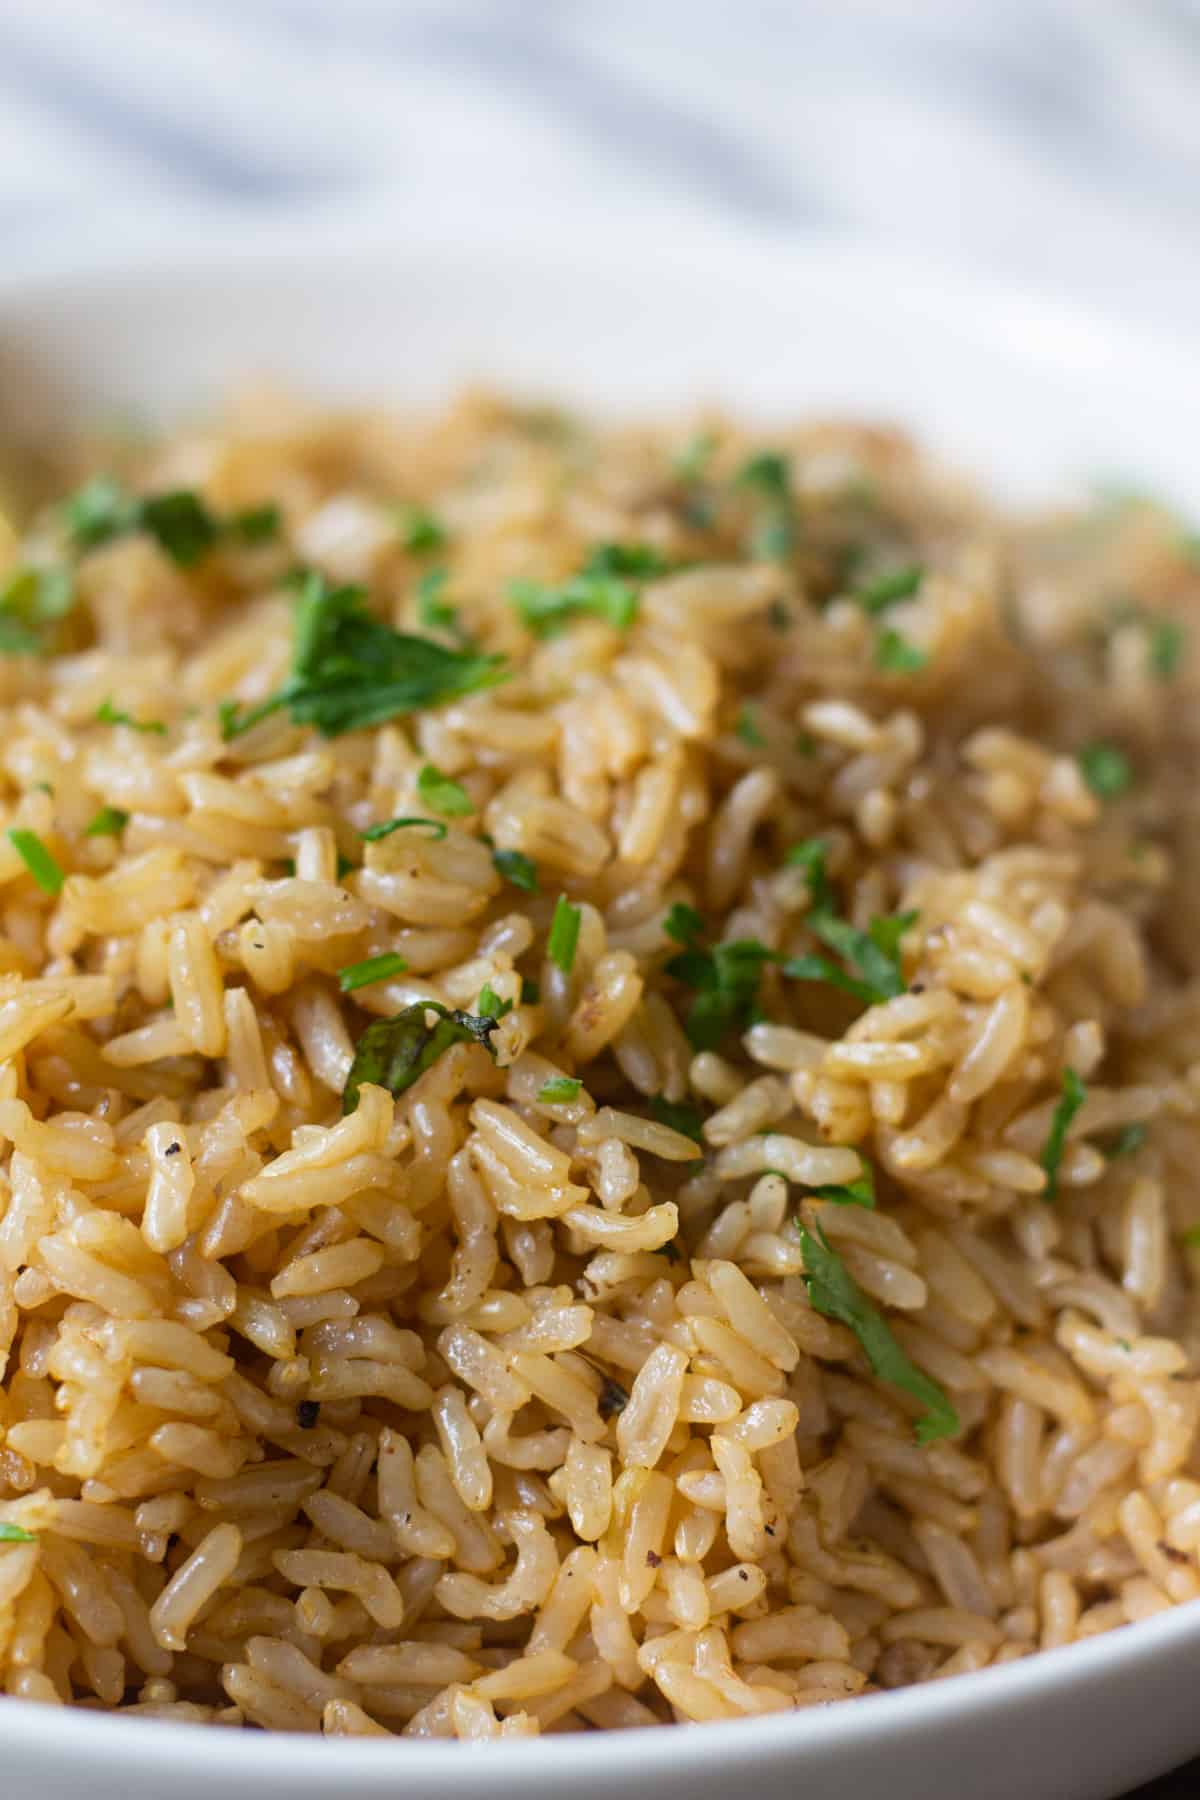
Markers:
(393, 1053)
(15, 1534)
(31, 601)
(37, 859)
(683, 923)
(835, 1294)
(516, 867)
(1126, 1141)
(564, 934)
(1167, 639)
(726, 978)
(896, 655)
(108, 714)
(850, 1193)
(679, 1117)
(385, 828)
(1106, 769)
(548, 610)
(110, 821)
(769, 475)
(1074, 1094)
(810, 856)
(434, 613)
(420, 530)
(559, 1090)
(888, 590)
(351, 671)
(491, 1006)
(747, 729)
(441, 795)
(182, 524)
(374, 968)
(692, 462)
(256, 524)
(874, 954)
(531, 991)
(1191, 1237)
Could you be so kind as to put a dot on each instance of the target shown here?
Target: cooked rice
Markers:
(496, 1407)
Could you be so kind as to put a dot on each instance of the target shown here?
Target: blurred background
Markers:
(1049, 141)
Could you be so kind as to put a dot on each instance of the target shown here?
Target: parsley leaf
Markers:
(256, 524)
(434, 613)
(547, 610)
(180, 520)
(37, 859)
(1106, 769)
(1125, 1142)
(31, 599)
(638, 562)
(385, 828)
(1167, 639)
(874, 955)
(99, 511)
(679, 1117)
(559, 1090)
(850, 1193)
(110, 821)
(747, 729)
(420, 530)
(810, 856)
(887, 590)
(182, 524)
(441, 795)
(374, 968)
(491, 1006)
(1074, 1093)
(769, 475)
(835, 1294)
(108, 714)
(15, 1534)
(564, 934)
(516, 867)
(393, 1053)
(896, 655)
(683, 923)
(692, 462)
(351, 671)
(726, 979)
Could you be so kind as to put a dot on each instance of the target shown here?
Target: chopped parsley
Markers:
(725, 977)
(683, 923)
(110, 821)
(441, 795)
(769, 476)
(531, 991)
(393, 1053)
(256, 524)
(108, 714)
(692, 462)
(603, 589)
(1074, 1093)
(434, 613)
(491, 1006)
(351, 671)
(31, 601)
(15, 1534)
(895, 654)
(1106, 769)
(518, 868)
(889, 589)
(374, 968)
(564, 934)
(873, 955)
(37, 859)
(385, 828)
(1125, 1142)
(420, 530)
(835, 1294)
(1190, 1238)
(1167, 640)
(180, 520)
(747, 729)
(850, 1193)
(810, 856)
(559, 1090)
(679, 1117)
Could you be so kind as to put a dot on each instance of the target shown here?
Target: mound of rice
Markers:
(610, 1140)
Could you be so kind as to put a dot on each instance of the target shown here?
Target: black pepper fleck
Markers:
(613, 1398)
(172, 1149)
(307, 1414)
(653, 1559)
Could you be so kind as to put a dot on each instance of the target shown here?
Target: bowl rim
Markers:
(1049, 328)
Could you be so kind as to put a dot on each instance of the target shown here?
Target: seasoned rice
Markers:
(645, 1175)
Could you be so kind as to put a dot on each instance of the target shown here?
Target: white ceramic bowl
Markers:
(1032, 396)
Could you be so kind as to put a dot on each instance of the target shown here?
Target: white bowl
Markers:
(1034, 397)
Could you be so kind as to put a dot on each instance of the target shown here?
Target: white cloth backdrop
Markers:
(1052, 141)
